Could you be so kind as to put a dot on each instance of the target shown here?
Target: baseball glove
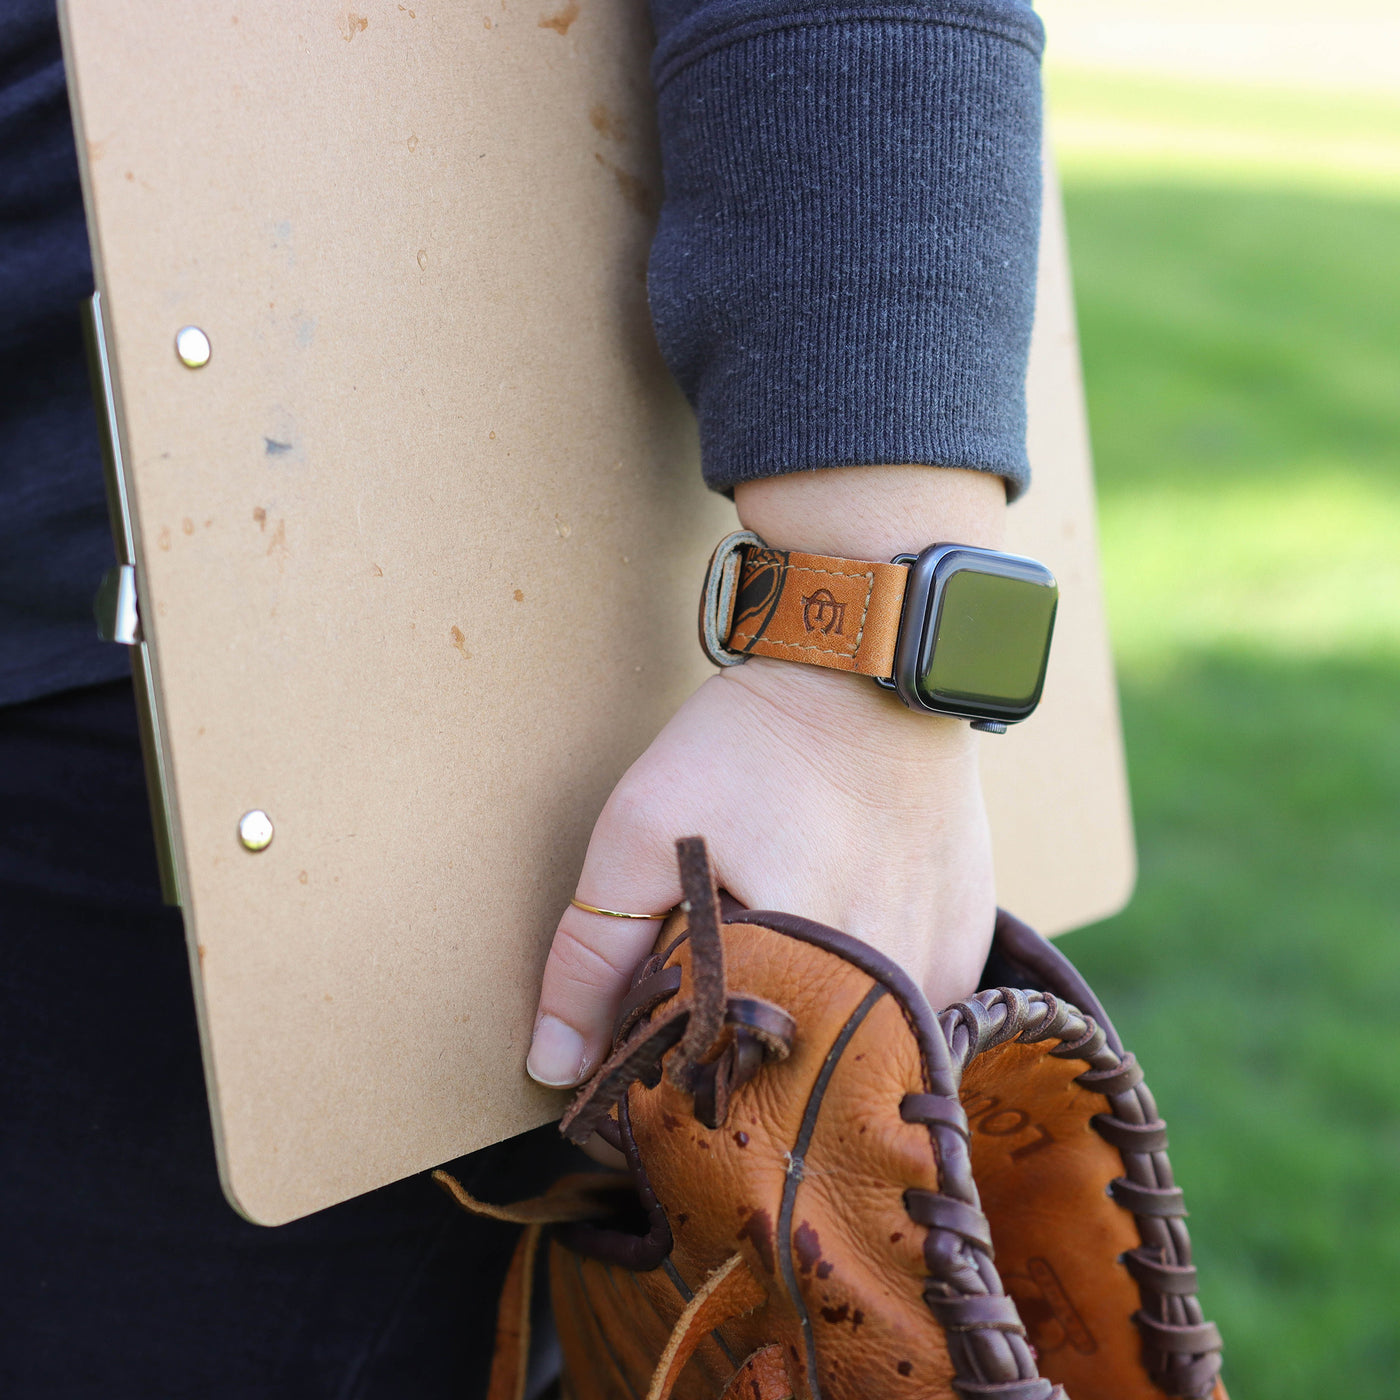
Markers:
(835, 1194)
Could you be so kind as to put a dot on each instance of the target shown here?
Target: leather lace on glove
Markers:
(835, 1194)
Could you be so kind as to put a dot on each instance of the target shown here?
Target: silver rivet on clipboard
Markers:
(255, 830)
(192, 346)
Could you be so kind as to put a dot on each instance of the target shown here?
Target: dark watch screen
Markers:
(991, 639)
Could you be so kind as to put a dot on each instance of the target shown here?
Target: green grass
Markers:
(1242, 353)
(1114, 125)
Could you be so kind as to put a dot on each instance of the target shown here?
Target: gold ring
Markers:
(614, 913)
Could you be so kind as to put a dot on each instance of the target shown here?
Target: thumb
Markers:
(594, 954)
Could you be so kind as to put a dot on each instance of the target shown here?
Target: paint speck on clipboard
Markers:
(277, 546)
(560, 22)
(629, 186)
(606, 122)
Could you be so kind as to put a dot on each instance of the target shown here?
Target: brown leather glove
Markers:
(821, 1170)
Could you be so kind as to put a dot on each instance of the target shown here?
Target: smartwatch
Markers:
(954, 630)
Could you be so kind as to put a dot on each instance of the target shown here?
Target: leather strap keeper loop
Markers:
(934, 1108)
(773, 1027)
(1191, 1339)
(717, 597)
(1159, 1202)
(1111, 1082)
(1130, 1137)
(965, 1314)
(1172, 1280)
(944, 1213)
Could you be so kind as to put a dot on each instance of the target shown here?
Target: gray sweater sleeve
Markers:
(844, 270)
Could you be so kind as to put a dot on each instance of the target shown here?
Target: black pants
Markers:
(123, 1273)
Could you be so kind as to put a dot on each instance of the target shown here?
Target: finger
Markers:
(593, 955)
(605, 1154)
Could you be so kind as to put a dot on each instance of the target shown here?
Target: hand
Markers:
(817, 792)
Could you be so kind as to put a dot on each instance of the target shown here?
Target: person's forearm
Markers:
(820, 793)
(843, 275)
(874, 512)
(871, 513)
(844, 270)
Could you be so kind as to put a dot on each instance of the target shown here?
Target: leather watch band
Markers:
(839, 613)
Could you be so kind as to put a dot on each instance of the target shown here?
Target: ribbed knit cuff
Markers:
(844, 270)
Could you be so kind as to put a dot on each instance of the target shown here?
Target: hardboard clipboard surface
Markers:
(418, 550)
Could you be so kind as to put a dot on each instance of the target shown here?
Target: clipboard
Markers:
(378, 525)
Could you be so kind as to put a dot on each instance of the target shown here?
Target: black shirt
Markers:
(55, 540)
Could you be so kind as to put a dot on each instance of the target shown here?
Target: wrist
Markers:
(874, 512)
(858, 728)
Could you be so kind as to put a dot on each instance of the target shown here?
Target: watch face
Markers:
(987, 639)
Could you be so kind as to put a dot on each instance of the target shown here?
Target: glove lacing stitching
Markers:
(985, 1337)
(1181, 1350)
(733, 1035)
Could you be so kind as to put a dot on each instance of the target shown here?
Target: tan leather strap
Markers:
(579, 1196)
(510, 1362)
(729, 1292)
(839, 613)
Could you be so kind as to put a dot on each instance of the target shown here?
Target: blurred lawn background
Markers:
(1235, 227)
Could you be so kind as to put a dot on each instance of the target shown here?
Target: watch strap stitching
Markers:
(866, 574)
(788, 622)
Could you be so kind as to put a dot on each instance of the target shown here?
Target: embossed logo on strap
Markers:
(822, 613)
